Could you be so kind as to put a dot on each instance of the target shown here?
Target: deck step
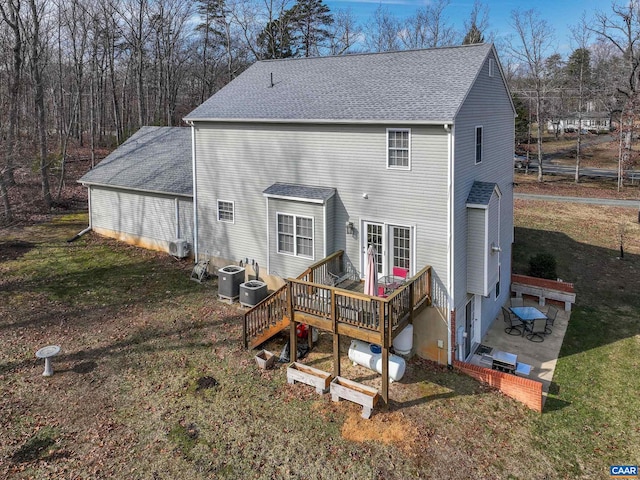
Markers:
(269, 332)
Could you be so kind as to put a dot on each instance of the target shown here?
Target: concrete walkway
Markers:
(541, 356)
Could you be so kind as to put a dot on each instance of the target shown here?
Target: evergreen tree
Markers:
(474, 35)
(310, 20)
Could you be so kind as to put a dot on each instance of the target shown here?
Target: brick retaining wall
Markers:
(543, 282)
(524, 390)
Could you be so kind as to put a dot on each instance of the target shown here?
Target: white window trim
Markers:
(233, 211)
(295, 236)
(492, 67)
(475, 144)
(395, 167)
(386, 244)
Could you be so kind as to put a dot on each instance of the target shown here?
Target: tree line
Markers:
(89, 73)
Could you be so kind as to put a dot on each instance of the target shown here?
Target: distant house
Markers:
(592, 122)
(142, 193)
(411, 152)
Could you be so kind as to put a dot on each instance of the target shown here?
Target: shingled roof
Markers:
(416, 85)
(481, 193)
(154, 159)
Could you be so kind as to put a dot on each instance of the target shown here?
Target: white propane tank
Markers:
(363, 354)
(403, 343)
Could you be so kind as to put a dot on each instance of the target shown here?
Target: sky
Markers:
(560, 14)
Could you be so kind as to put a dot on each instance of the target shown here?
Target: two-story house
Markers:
(410, 152)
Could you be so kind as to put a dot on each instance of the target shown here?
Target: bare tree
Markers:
(578, 70)
(428, 27)
(621, 28)
(37, 39)
(11, 15)
(381, 31)
(529, 48)
(344, 33)
(477, 24)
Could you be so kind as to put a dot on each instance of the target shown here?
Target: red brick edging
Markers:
(524, 390)
(543, 282)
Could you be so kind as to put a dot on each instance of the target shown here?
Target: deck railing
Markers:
(312, 296)
(271, 311)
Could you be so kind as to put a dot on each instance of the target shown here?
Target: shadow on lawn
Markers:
(607, 303)
(144, 339)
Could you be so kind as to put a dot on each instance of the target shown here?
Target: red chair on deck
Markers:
(399, 272)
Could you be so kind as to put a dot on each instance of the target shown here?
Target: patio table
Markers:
(527, 315)
(390, 283)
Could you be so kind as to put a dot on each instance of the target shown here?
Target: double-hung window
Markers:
(478, 145)
(399, 148)
(225, 211)
(295, 235)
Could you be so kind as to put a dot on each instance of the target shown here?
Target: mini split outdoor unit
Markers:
(179, 248)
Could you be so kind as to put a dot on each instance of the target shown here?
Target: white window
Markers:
(492, 66)
(295, 235)
(478, 144)
(399, 148)
(225, 211)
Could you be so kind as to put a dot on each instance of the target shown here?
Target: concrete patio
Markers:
(541, 356)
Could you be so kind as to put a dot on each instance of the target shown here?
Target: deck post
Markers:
(411, 302)
(293, 339)
(386, 325)
(336, 337)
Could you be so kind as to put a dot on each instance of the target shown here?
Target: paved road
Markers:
(550, 166)
(595, 201)
(570, 170)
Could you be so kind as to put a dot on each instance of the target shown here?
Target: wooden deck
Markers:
(338, 310)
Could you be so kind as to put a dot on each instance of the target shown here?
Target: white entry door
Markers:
(394, 246)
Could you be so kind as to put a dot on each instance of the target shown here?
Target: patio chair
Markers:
(517, 302)
(514, 325)
(537, 330)
(552, 313)
(399, 272)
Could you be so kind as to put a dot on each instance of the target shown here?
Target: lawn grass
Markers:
(153, 382)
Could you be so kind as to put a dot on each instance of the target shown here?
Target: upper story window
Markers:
(295, 235)
(478, 144)
(492, 67)
(225, 211)
(399, 148)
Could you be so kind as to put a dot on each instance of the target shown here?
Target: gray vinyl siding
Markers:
(141, 214)
(284, 264)
(475, 250)
(238, 161)
(487, 105)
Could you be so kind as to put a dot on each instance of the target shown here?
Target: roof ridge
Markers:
(365, 54)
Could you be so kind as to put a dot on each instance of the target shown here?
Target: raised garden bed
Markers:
(299, 372)
(355, 392)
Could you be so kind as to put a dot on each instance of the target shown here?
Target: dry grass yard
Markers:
(153, 383)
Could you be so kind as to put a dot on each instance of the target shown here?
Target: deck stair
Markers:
(313, 299)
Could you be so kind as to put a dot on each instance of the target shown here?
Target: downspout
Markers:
(450, 260)
(177, 207)
(88, 229)
(324, 227)
(195, 192)
(268, 250)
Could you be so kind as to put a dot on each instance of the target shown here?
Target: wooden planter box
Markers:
(355, 392)
(299, 372)
(265, 359)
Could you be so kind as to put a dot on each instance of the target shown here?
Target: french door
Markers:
(394, 246)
